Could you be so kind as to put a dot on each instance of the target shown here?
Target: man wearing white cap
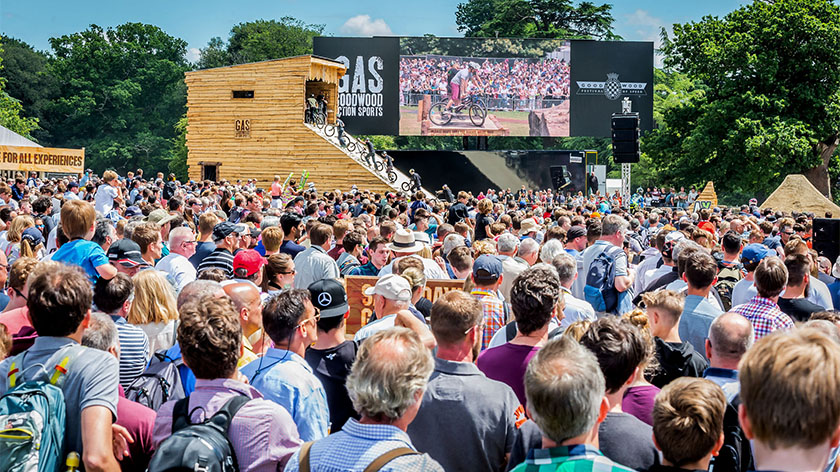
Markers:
(391, 294)
(405, 244)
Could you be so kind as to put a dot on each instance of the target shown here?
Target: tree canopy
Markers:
(121, 92)
(559, 19)
(260, 40)
(11, 109)
(770, 74)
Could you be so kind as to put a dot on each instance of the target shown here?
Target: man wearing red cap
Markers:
(247, 266)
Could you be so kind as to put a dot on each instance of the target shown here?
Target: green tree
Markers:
(770, 106)
(27, 80)
(121, 93)
(11, 110)
(178, 152)
(535, 19)
(260, 40)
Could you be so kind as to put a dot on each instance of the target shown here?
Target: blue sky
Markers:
(196, 22)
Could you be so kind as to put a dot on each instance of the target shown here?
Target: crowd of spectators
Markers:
(584, 336)
(509, 84)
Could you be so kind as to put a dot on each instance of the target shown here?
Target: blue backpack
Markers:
(600, 290)
(32, 417)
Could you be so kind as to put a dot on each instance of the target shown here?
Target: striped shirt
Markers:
(134, 350)
(220, 258)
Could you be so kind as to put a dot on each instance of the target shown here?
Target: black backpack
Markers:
(736, 453)
(169, 190)
(451, 73)
(160, 382)
(198, 446)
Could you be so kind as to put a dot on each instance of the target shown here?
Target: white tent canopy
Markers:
(10, 138)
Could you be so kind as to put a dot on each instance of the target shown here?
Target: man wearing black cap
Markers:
(226, 237)
(72, 192)
(332, 356)
(125, 256)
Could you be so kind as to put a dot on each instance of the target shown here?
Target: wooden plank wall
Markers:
(279, 142)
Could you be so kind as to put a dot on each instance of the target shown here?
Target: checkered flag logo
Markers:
(612, 87)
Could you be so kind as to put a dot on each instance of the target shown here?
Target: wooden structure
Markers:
(247, 121)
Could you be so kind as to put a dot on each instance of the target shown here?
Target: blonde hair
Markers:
(638, 318)
(576, 329)
(415, 278)
(485, 206)
(272, 238)
(18, 226)
(666, 300)
(109, 175)
(425, 253)
(485, 246)
(154, 299)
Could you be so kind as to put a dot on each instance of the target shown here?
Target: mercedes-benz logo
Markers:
(324, 299)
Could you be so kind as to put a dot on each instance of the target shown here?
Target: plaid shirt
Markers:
(494, 314)
(765, 316)
(578, 458)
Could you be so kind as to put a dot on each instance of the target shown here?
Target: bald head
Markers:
(198, 289)
(730, 336)
(242, 294)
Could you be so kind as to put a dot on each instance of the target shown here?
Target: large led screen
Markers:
(490, 86)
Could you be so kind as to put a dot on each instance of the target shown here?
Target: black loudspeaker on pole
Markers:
(625, 138)
(827, 237)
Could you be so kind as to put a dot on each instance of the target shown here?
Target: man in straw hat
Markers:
(405, 244)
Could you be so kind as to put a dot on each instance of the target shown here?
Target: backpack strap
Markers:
(59, 371)
(510, 331)
(181, 414)
(229, 410)
(303, 458)
(380, 461)
(14, 369)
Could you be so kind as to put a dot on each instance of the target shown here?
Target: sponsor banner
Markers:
(42, 159)
(361, 305)
(603, 74)
(367, 94)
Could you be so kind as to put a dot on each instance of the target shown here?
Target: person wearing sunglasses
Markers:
(282, 375)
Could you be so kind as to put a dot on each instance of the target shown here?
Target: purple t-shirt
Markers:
(507, 364)
(638, 401)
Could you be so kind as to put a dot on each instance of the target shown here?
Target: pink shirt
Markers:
(262, 433)
(15, 319)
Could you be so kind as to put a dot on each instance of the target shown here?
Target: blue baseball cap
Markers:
(755, 252)
(487, 268)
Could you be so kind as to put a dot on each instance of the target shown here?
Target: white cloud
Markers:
(363, 25)
(642, 26)
(193, 54)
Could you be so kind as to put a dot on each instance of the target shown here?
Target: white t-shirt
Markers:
(104, 199)
(179, 268)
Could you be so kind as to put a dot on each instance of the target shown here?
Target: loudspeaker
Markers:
(625, 138)
(827, 237)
